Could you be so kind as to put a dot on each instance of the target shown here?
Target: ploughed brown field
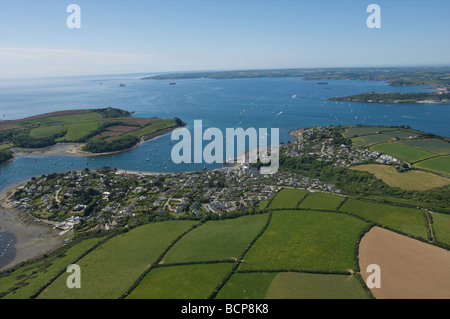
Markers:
(116, 131)
(132, 120)
(57, 113)
(4, 127)
(410, 269)
(123, 128)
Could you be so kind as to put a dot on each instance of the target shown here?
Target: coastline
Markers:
(75, 148)
(31, 239)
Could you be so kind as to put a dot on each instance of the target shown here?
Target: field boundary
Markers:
(158, 260)
(239, 260)
(86, 252)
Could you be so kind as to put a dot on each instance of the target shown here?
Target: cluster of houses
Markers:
(326, 150)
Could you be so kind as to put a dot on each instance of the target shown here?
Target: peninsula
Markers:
(95, 131)
(396, 98)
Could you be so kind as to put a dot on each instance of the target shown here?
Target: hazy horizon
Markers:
(131, 37)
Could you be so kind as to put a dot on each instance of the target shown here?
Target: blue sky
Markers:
(119, 36)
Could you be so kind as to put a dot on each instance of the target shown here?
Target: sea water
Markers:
(284, 103)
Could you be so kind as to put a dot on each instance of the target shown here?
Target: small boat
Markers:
(322, 82)
(172, 83)
(122, 84)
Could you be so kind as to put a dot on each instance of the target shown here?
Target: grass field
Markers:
(439, 164)
(287, 198)
(292, 285)
(432, 145)
(404, 219)
(76, 131)
(109, 270)
(195, 281)
(64, 119)
(247, 286)
(410, 180)
(367, 140)
(304, 240)
(5, 146)
(216, 240)
(441, 224)
(400, 134)
(365, 130)
(321, 201)
(45, 131)
(153, 127)
(402, 152)
(29, 278)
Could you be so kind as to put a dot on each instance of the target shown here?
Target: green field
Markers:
(439, 164)
(400, 134)
(287, 198)
(441, 225)
(305, 240)
(409, 180)
(432, 145)
(195, 281)
(365, 130)
(291, 285)
(5, 146)
(153, 127)
(402, 152)
(247, 286)
(112, 268)
(403, 219)
(321, 201)
(25, 281)
(76, 131)
(216, 240)
(367, 140)
(45, 131)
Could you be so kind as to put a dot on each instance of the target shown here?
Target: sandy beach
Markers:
(31, 238)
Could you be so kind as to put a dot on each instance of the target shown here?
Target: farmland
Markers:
(297, 234)
(407, 220)
(410, 180)
(216, 240)
(441, 224)
(431, 145)
(288, 198)
(112, 267)
(305, 240)
(321, 201)
(304, 252)
(439, 164)
(84, 126)
(402, 152)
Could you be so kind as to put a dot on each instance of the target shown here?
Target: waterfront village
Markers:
(107, 198)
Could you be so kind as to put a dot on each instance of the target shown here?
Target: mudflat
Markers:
(32, 238)
(410, 269)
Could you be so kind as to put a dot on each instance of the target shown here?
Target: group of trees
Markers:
(100, 145)
(112, 112)
(5, 155)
